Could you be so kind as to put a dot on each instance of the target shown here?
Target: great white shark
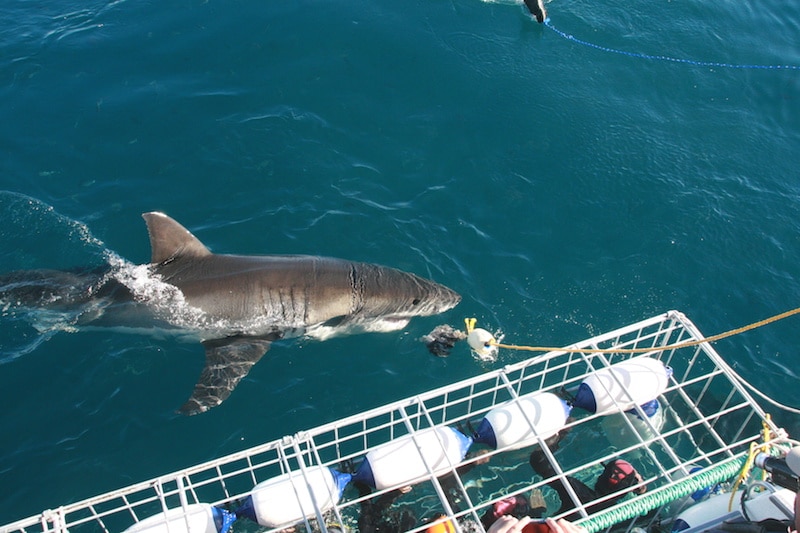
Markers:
(235, 305)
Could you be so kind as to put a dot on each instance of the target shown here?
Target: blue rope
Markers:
(665, 58)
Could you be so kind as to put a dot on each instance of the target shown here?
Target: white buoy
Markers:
(289, 498)
(407, 458)
(622, 386)
(194, 518)
(515, 424)
(481, 341)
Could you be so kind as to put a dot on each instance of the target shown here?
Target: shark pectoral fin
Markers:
(228, 360)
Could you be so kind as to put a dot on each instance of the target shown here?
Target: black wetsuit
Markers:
(377, 517)
(585, 494)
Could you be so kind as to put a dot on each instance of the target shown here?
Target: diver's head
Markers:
(618, 476)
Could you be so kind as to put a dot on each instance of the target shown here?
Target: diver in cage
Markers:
(618, 479)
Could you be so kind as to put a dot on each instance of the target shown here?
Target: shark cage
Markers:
(652, 393)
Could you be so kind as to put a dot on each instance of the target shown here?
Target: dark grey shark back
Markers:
(257, 299)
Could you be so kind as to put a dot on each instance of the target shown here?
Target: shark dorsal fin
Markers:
(169, 240)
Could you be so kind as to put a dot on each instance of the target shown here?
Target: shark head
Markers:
(385, 299)
(394, 295)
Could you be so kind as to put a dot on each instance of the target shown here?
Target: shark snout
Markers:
(441, 299)
(450, 299)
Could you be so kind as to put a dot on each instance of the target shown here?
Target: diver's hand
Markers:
(564, 526)
(508, 524)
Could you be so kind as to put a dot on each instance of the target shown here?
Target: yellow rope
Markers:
(766, 436)
(686, 344)
(743, 474)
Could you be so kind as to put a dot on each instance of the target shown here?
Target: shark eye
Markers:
(415, 301)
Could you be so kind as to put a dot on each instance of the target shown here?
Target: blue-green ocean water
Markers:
(563, 190)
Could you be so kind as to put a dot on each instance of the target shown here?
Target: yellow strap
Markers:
(470, 324)
(766, 435)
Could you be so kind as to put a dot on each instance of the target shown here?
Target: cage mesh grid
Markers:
(709, 418)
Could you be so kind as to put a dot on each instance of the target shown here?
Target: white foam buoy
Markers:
(518, 423)
(481, 341)
(289, 498)
(622, 386)
(406, 458)
(193, 518)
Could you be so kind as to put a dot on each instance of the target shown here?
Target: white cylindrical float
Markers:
(622, 386)
(289, 498)
(406, 458)
(518, 423)
(193, 518)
